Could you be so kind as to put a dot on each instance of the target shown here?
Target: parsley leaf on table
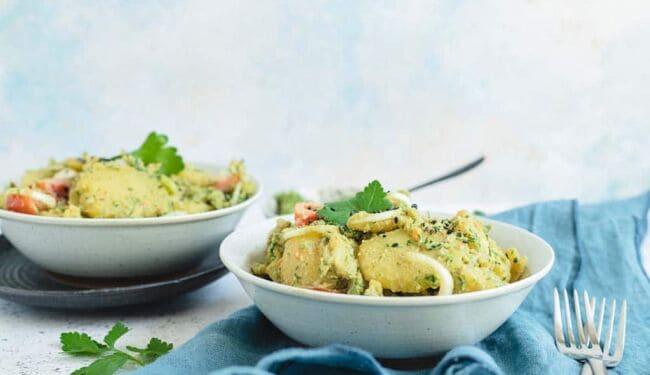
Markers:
(154, 349)
(371, 199)
(153, 150)
(118, 330)
(104, 366)
(77, 343)
(110, 359)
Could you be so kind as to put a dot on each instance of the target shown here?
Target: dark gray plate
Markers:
(23, 282)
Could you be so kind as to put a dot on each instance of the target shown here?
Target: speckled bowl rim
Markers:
(246, 276)
(162, 220)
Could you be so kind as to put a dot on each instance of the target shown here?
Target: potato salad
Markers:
(149, 182)
(378, 244)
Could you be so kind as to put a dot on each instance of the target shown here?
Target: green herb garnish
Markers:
(153, 150)
(286, 201)
(372, 199)
(110, 358)
(155, 348)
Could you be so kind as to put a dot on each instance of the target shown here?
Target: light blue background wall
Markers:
(556, 94)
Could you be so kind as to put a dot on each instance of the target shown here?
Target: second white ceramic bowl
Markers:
(388, 327)
(103, 248)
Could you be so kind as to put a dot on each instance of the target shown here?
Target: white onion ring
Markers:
(45, 200)
(400, 197)
(373, 218)
(235, 193)
(442, 273)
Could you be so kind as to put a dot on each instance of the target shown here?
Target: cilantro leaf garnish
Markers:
(153, 150)
(371, 199)
(154, 349)
(337, 212)
(81, 344)
(110, 359)
(105, 365)
(118, 330)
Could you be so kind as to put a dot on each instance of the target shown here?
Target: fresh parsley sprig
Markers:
(153, 150)
(371, 199)
(110, 359)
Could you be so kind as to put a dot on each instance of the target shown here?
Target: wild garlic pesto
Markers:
(124, 187)
(392, 250)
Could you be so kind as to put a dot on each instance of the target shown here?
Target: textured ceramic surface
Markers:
(120, 247)
(23, 282)
(389, 327)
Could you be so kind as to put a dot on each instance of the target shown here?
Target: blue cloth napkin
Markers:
(597, 248)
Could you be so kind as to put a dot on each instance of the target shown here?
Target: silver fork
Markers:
(610, 359)
(582, 349)
(588, 347)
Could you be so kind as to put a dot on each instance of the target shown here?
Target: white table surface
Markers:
(29, 337)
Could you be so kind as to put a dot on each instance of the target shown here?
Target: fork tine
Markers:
(620, 337)
(591, 311)
(569, 326)
(608, 343)
(601, 317)
(579, 323)
(557, 319)
(591, 331)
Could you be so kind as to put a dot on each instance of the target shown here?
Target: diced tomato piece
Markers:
(305, 213)
(20, 203)
(226, 183)
(55, 186)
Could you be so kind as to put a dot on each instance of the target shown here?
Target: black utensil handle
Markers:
(449, 175)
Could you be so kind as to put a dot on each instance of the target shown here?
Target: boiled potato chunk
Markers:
(517, 264)
(301, 261)
(195, 176)
(374, 289)
(116, 190)
(339, 256)
(317, 259)
(393, 260)
(191, 206)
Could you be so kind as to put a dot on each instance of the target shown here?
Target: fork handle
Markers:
(594, 366)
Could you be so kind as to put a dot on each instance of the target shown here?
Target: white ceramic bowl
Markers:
(120, 247)
(388, 327)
